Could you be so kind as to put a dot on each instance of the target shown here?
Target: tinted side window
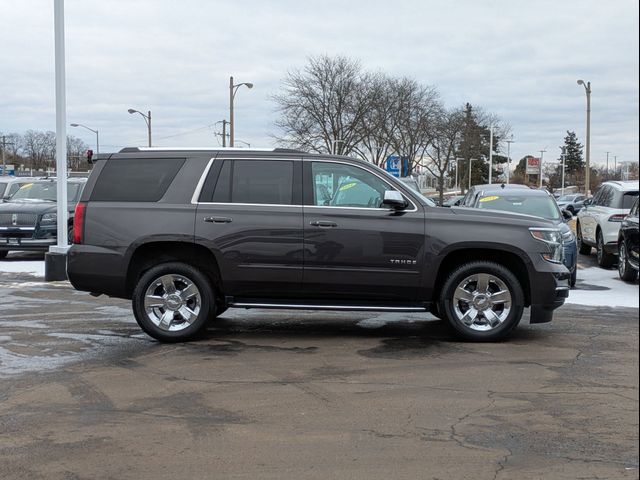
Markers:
(2, 188)
(135, 180)
(255, 181)
(626, 202)
(607, 198)
(597, 196)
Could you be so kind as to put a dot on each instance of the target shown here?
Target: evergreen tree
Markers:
(574, 162)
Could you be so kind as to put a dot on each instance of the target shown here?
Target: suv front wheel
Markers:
(172, 302)
(483, 301)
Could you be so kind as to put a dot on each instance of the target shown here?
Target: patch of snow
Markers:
(35, 267)
(385, 318)
(609, 290)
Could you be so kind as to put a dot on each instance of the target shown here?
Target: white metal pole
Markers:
(564, 154)
(470, 173)
(509, 142)
(490, 152)
(61, 127)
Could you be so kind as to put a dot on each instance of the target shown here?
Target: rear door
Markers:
(356, 250)
(249, 214)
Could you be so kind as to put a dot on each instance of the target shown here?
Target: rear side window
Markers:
(2, 188)
(135, 180)
(255, 181)
(627, 200)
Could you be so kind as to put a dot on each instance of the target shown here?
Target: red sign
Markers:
(533, 166)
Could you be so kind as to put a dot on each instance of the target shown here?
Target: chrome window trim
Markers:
(200, 184)
(205, 173)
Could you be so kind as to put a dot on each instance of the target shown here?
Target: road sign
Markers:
(393, 165)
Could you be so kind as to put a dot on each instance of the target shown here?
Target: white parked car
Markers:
(600, 218)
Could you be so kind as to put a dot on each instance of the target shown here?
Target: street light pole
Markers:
(608, 163)
(490, 153)
(233, 88)
(587, 89)
(509, 142)
(470, 160)
(564, 155)
(92, 130)
(147, 119)
(541, 157)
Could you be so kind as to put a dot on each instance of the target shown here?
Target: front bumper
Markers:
(549, 289)
(27, 238)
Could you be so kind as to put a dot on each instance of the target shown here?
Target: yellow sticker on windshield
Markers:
(347, 186)
(489, 199)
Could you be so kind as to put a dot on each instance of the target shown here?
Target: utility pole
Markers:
(490, 152)
(470, 160)
(4, 148)
(587, 89)
(224, 132)
(564, 155)
(615, 167)
(509, 142)
(541, 157)
(608, 163)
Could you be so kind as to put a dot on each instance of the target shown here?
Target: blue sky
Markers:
(518, 59)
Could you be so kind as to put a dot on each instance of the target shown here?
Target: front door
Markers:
(250, 216)
(355, 249)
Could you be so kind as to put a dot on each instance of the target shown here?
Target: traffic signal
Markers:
(89, 155)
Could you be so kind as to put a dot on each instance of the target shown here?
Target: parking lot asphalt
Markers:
(288, 394)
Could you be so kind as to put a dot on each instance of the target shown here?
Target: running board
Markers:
(348, 308)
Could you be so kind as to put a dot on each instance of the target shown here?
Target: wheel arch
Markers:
(507, 258)
(154, 253)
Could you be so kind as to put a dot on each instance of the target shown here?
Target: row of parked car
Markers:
(28, 216)
(607, 221)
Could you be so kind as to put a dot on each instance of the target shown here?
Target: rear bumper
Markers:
(26, 244)
(97, 269)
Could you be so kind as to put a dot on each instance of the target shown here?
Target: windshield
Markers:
(3, 187)
(567, 198)
(539, 206)
(46, 191)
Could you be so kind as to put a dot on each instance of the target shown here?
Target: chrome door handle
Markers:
(218, 219)
(321, 224)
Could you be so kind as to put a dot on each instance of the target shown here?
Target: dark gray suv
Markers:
(188, 233)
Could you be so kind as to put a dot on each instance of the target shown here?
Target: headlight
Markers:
(49, 219)
(552, 238)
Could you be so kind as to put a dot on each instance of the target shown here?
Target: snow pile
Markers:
(34, 267)
(598, 287)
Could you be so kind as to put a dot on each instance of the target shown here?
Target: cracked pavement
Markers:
(316, 395)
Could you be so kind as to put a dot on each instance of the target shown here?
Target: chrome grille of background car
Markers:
(18, 219)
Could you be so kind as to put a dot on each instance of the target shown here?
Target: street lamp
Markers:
(233, 88)
(587, 89)
(244, 143)
(147, 119)
(94, 131)
(509, 142)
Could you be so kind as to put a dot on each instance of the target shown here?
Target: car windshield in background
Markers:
(567, 198)
(45, 191)
(627, 200)
(539, 206)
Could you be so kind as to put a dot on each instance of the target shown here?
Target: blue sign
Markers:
(393, 165)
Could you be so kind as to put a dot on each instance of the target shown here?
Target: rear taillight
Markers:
(78, 223)
(618, 217)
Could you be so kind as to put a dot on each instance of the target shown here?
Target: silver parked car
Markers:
(599, 220)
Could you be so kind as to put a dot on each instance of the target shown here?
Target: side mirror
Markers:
(567, 214)
(394, 199)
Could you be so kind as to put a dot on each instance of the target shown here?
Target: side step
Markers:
(314, 306)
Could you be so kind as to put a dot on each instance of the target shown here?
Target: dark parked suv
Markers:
(188, 233)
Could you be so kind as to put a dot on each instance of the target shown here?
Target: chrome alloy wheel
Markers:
(482, 302)
(172, 302)
(622, 259)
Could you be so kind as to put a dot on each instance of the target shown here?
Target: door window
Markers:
(255, 181)
(340, 185)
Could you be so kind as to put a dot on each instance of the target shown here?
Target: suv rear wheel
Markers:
(172, 302)
(483, 301)
(605, 260)
(583, 248)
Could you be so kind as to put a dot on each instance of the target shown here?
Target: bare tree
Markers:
(443, 148)
(417, 108)
(76, 150)
(322, 106)
(39, 148)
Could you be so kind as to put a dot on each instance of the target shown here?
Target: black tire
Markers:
(583, 248)
(625, 270)
(179, 271)
(605, 260)
(3, 254)
(447, 304)
(574, 277)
